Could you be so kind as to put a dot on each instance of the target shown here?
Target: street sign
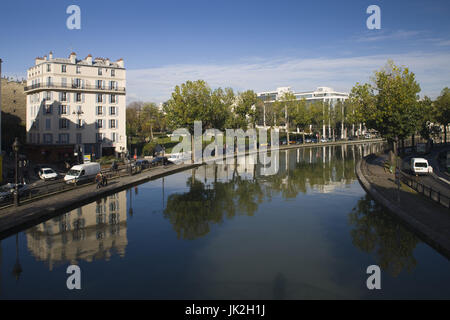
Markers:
(87, 158)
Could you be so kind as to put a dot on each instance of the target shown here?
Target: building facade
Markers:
(77, 103)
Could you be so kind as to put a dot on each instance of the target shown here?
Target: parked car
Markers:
(314, 140)
(7, 191)
(308, 140)
(82, 172)
(420, 166)
(160, 161)
(48, 174)
(143, 164)
(323, 139)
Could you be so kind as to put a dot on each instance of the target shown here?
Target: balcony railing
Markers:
(73, 86)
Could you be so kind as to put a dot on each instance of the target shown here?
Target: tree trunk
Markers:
(445, 134)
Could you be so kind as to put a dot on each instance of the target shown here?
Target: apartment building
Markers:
(76, 104)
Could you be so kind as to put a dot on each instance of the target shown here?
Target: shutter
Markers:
(60, 96)
(96, 110)
(104, 111)
(60, 109)
(82, 97)
(68, 109)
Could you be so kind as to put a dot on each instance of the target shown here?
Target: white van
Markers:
(82, 172)
(420, 166)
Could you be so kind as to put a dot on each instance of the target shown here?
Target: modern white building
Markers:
(77, 103)
(323, 94)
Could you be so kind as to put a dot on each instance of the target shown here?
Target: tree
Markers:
(389, 104)
(244, 110)
(190, 102)
(151, 116)
(301, 116)
(442, 110)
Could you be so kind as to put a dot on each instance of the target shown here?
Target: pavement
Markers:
(423, 216)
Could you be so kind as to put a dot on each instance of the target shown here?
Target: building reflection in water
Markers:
(95, 231)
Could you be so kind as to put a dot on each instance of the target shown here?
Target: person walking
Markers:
(99, 180)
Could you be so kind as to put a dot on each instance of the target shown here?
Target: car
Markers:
(420, 166)
(324, 140)
(314, 140)
(367, 136)
(160, 161)
(48, 174)
(7, 191)
(308, 140)
(82, 172)
(143, 164)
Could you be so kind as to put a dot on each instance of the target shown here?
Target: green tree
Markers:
(442, 110)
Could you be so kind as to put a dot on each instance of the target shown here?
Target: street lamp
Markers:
(16, 147)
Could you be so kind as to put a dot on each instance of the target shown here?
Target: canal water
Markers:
(228, 232)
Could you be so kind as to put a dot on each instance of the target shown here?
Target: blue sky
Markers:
(257, 45)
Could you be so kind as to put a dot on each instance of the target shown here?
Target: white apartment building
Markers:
(79, 103)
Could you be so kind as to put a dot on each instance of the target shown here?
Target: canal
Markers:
(227, 232)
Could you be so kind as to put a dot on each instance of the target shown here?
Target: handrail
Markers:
(73, 87)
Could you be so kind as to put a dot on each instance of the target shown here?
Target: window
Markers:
(78, 69)
(100, 137)
(48, 138)
(113, 73)
(112, 124)
(112, 111)
(63, 109)
(77, 83)
(63, 68)
(48, 109)
(114, 137)
(64, 138)
(100, 71)
(63, 123)
(48, 124)
(80, 124)
(99, 97)
(49, 67)
(63, 96)
(49, 81)
(99, 123)
(99, 110)
(113, 98)
(64, 82)
(78, 97)
(99, 84)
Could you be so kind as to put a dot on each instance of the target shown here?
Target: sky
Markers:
(246, 44)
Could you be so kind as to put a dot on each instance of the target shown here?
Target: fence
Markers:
(30, 193)
(426, 191)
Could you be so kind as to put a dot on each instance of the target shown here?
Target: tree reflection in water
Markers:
(192, 213)
(376, 231)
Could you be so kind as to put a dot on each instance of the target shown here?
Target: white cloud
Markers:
(156, 84)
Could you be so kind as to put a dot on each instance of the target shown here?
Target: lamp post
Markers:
(16, 147)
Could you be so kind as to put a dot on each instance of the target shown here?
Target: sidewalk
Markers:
(425, 217)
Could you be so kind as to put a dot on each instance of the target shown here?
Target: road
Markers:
(437, 181)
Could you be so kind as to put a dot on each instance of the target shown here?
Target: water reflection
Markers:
(223, 191)
(377, 232)
(92, 232)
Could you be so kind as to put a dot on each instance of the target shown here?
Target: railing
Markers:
(62, 86)
(426, 190)
(53, 187)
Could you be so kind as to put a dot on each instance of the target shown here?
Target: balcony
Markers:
(73, 87)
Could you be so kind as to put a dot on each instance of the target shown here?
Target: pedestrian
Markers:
(104, 180)
(98, 179)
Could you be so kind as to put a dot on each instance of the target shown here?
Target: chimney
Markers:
(38, 60)
(50, 56)
(107, 62)
(120, 63)
(73, 58)
(89, 59)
